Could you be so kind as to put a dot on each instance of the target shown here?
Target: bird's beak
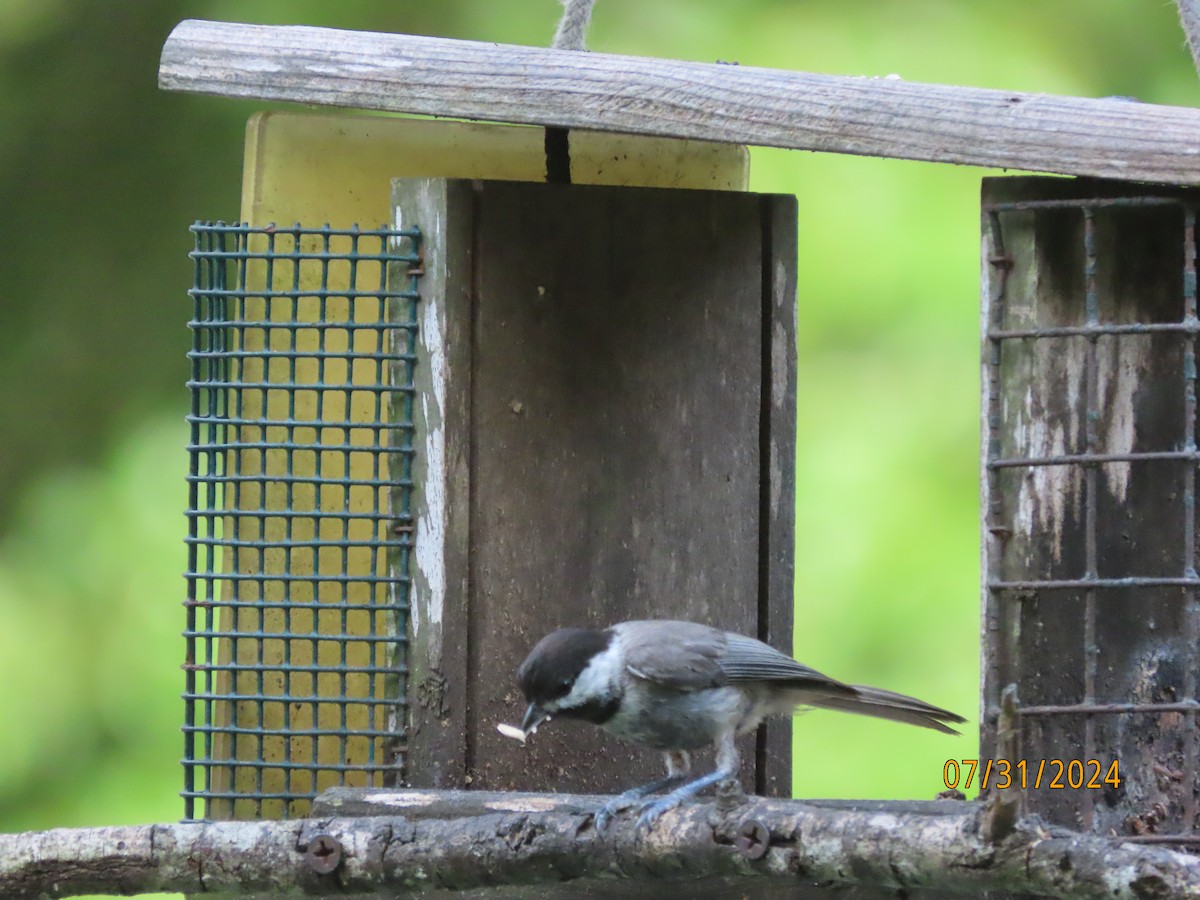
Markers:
(534, 716)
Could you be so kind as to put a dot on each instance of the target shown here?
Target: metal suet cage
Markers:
(1091, 592)
(299, 523)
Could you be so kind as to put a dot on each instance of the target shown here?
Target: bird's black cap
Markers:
(550, 669)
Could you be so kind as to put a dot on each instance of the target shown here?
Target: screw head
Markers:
(324, 854)
(753, 839)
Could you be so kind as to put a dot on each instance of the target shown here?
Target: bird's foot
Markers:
(605, 814)
(652, 811)
(632, 797)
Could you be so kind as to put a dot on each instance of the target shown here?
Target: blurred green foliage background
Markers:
(100, 175)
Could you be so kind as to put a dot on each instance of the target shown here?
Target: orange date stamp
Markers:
(1054, 774)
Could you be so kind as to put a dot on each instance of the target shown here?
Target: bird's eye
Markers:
(565, 685)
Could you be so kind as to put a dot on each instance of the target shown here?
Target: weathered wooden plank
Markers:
(606, 378)
(439, 610)
(741, 104)
(618, 381)
(777, 462)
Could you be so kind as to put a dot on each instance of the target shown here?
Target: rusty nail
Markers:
(753, 839)
(418, 267)
(324, 854)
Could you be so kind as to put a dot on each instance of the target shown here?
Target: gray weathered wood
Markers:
(611, 364)
(464, 842)
(437, 655)
(777, 489)
(1114, 644)
(740, 104)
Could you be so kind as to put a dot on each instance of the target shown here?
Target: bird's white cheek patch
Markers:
(596, 680)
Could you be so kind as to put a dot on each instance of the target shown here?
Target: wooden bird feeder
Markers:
(417, 448)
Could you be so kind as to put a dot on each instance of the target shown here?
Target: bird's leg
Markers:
(679, 764)
(728, 763)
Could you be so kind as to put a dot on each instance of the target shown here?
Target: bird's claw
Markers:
(604, 815)
(651, 812)
(602, 818)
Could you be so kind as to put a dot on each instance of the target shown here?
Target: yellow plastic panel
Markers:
(337, 169)
(334, 169)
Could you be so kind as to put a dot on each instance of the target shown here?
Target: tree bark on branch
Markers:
(462, 840)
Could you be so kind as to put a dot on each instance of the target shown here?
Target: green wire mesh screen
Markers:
(299, 526)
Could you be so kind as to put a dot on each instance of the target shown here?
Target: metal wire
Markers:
(1091, 580)
(1191, 605)
(299, 525)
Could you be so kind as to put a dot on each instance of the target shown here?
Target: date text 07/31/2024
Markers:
(1055, 774)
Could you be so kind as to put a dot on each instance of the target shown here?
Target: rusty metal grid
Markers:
(1094, 578)
(299, 529)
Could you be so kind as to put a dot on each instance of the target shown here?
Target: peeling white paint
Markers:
(431, 528)
(419, 799)
(1121, 364)
(1045, 490)
(776, 477)
(782, 360)
(432, 525)
(404, 798)
(1076, 372)
(526, 804)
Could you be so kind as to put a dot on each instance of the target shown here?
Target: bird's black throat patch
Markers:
(596, 711)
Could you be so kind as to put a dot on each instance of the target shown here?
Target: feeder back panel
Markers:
(608, 417)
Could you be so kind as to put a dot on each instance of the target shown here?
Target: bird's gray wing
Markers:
(747, 659)
(680, 655)
(688, 656)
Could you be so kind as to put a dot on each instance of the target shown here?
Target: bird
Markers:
(679, 687)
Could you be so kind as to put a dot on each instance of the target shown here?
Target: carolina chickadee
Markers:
(680, 686)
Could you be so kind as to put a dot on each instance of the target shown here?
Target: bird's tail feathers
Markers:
(869, 701)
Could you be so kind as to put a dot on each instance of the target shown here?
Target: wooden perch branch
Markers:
(1108, 138)
(462, 840)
